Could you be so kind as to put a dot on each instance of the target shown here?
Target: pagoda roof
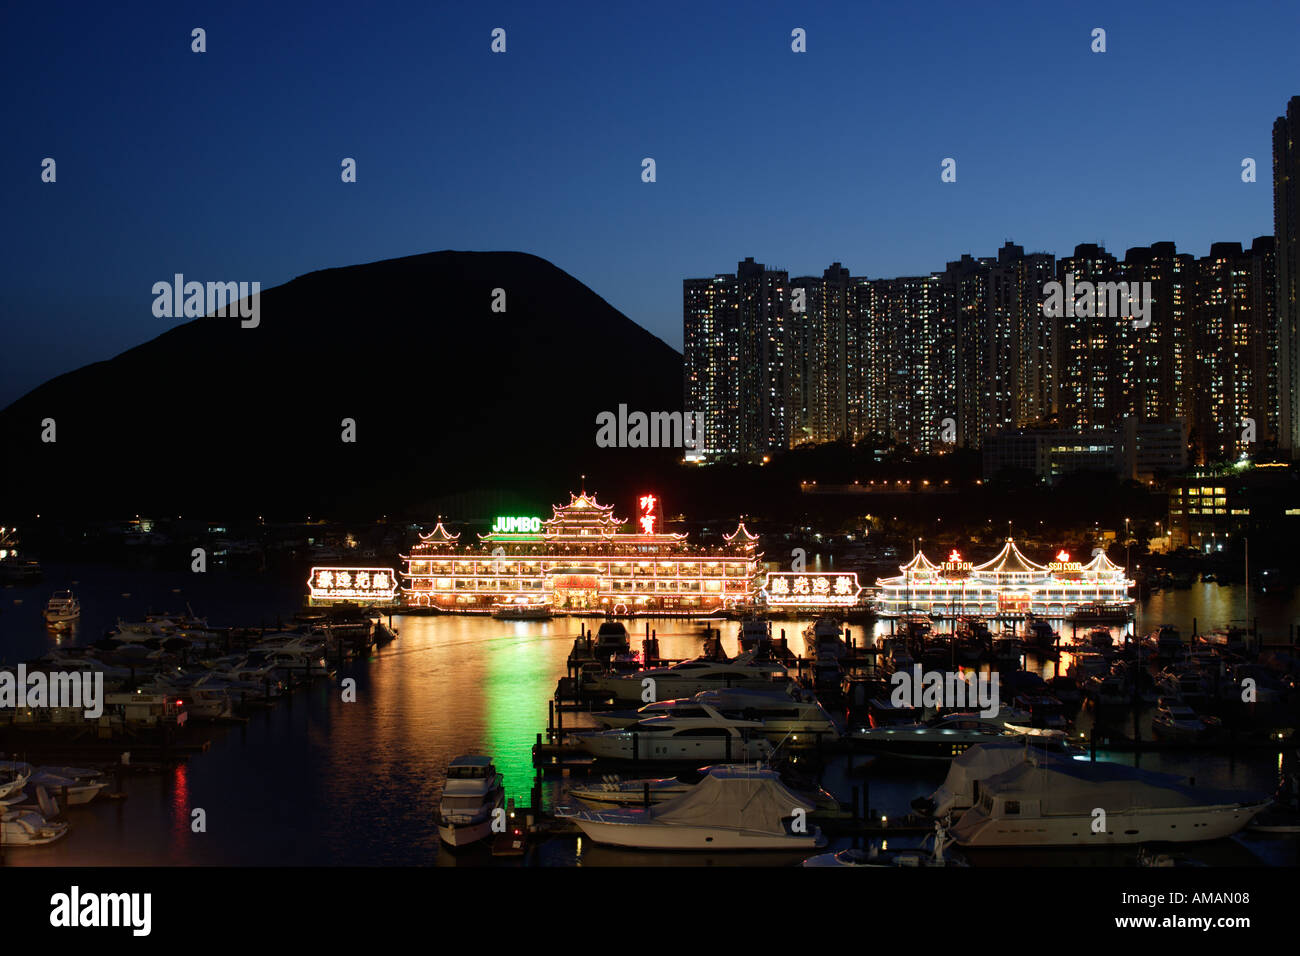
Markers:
(1102, 564)
(1009, 561)
(440, 534)
(742, 532)
(919, 564)
(583, 501)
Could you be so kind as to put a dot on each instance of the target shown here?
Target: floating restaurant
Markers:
(1009, 584)
(580, 559)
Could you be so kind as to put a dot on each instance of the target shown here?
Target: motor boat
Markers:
(710, 736)
(824, 640)
(1175, 721)
(960, 790)
(733, 808)
(687, 678)
(75, 785)
(25, 827)
(942, 738)
(611, 638)
(755, 633)
(1042, 803)
(523, 611)
(616, 791)
(472, 794)
(933, 852)
(13, 777)
(784, 711)
(62, 609)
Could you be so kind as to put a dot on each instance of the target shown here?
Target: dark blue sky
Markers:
(225, 165)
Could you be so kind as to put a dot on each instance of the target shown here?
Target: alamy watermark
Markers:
(20, 689)
(193, 300)
(653, 430)
(1130, 300)
(945, 689)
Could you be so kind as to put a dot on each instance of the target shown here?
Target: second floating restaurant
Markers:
(1008, 584)
(581, 559)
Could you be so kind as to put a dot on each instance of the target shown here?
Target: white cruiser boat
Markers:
(688, 678)
(960, 790)
(710, 736)
(783, 711)
(473, 791)
(615, 791)
(62, 609)
(733, 808)
(28, 828)
(1051, 803)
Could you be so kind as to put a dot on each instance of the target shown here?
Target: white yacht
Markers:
(471, 795)
(703, 738)
(688, 678)
(1053, 803)
(960, 790)
(785, 711)
(62, 609)
(733, 808)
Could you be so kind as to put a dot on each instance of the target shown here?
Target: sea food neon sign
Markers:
(1063, 563)
(813, 589)
(519, 525)
(365, 584)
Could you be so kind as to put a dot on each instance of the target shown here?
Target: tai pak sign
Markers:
(811, 589)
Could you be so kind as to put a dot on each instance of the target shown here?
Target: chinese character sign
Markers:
(352, 584)
(647, 513)
(811, 589)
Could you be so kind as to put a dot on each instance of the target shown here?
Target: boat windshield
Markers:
(467, 773)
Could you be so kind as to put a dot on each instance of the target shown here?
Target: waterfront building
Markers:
(581, 559)
(1008, 584)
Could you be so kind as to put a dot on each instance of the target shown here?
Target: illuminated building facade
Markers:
(581, 559)
(1009, 584)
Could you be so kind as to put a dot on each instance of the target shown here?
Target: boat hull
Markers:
(641, 836)
(976, 829)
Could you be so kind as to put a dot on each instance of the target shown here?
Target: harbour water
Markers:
(317, 781)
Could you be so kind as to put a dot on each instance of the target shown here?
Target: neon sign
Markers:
(811, 589)
(352, 584)
(1063, 563)
(647, 513)
(518, 525)
(955, 564)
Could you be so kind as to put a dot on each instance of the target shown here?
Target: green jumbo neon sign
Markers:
(520, 525)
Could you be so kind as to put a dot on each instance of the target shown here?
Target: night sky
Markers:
(225, 165)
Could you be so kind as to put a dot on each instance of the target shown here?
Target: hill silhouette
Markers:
(447, 396)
